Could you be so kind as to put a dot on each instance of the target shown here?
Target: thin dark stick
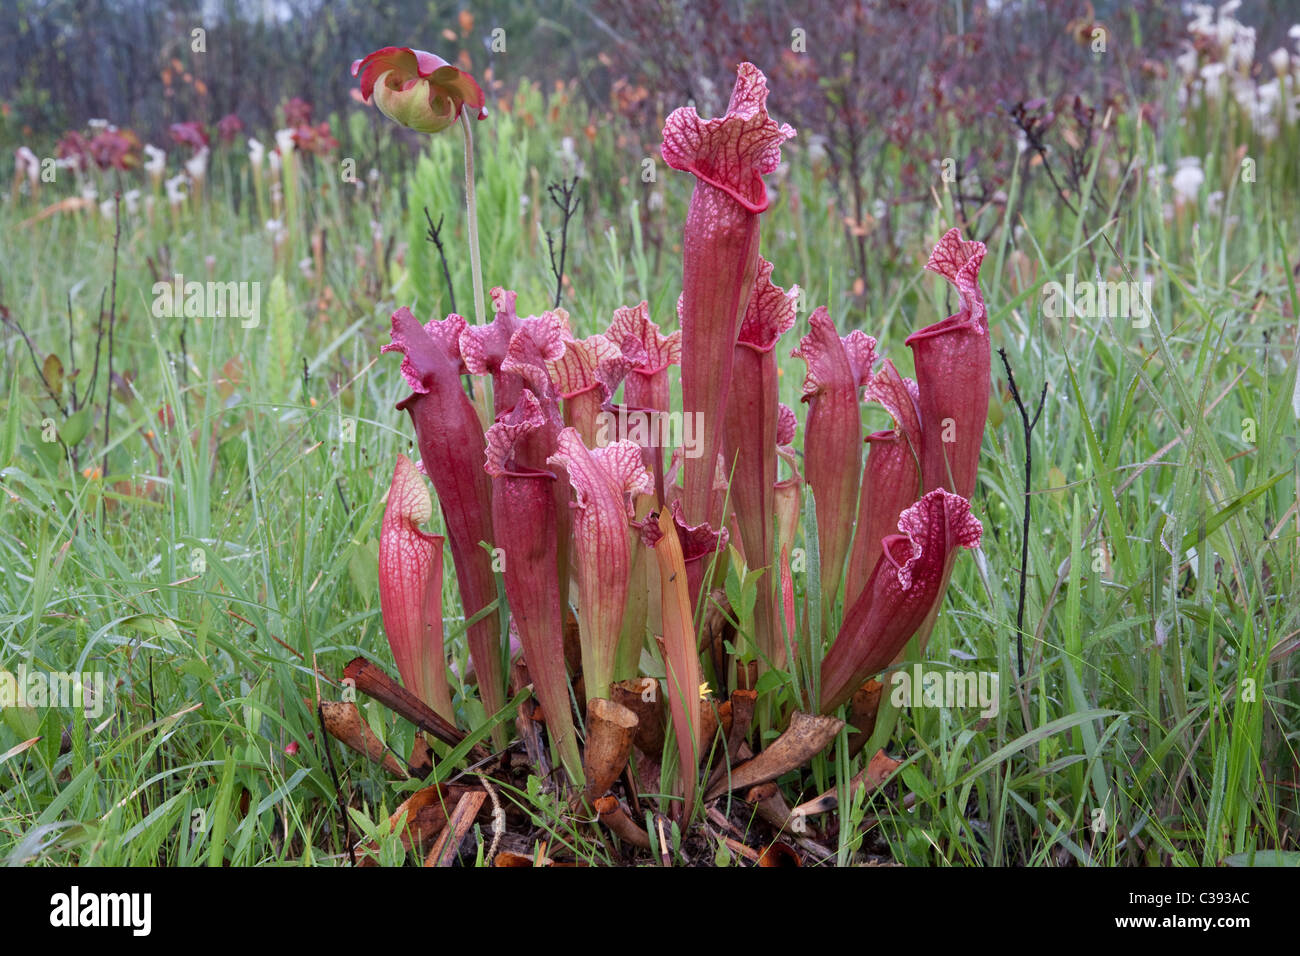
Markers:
(99, 341)
(338, 788)
(112, 318)
(435, 236)
(1024, 527)
(563, 195)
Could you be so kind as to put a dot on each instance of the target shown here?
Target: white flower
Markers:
(1214, 202)
(273, 161)
(157, 161)
(132, 198)
(175, 189)
(1214, 76)
(197, 165)
(1280, 60)
(97, 124)
(89, 193)
(25, 162)
(106, 208)
(1188, 179)
(306, 268)
(284, 141)
(255, 153)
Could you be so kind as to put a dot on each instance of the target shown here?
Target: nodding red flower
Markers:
(753, 426)
(417, 89)
(189, 134)
(837, 369)
(585, 376)
(729, 157)
(297, 112)
(604, 482)
(892, 478)
(410, 589)
(229, 127)
(452, 447)
(524, 516)
(907, 581)
(116, 148)
(317, 140)
(953, 372)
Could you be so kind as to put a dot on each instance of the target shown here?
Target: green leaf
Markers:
(75, 427)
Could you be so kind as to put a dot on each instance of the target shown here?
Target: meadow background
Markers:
(191, 506)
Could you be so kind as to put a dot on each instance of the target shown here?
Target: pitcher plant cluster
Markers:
(621, 544)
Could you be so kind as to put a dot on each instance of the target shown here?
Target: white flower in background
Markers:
(569, 157)
(97, 124)
(156, 164)
(106, 209)
(1214, 202)
(278, 233)
(273, 161)
(1203, 19)
(373, 175)
(1187, 60)
(255, 153)
(879, 209)
(175, 189)
(1214, 76)
(132, 199)
(26, 164)
(1280, 60)
(1294, 34)
(284, 142)
(89, 193)
(306, 267)
(524, 203)
(1188, 179)
(655, 200)
(197, 165)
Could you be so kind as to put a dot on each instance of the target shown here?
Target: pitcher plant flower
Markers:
(728, 156)
(424, 92)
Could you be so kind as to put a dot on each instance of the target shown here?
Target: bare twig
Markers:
(112, 318)
(435, 236)
(564, 196)
(1024, 527)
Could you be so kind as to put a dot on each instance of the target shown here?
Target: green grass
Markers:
(215, 566)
